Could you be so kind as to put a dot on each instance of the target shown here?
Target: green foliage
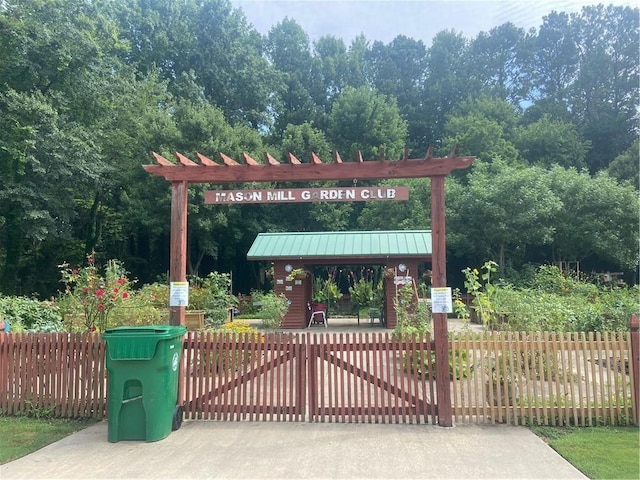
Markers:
(361, 293)
(273, 308)
(479, 285)
(212, 294)
(31, 315)
(326, 290)
(413, 315)
(363, 120)
(94, 293)
(423, 363)
(555, 302)
(90, 88)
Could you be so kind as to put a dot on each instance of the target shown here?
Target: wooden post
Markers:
(439, 279)
(634, 358)
(178, 255)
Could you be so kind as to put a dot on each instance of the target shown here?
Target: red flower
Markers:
(116, 290)
(121, 281)
(94, 328)
(100, 306)
(125, 295)
(99, 293)
(90, 259)
(85, 290)
(75, 271)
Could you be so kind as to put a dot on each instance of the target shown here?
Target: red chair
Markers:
(317, 314)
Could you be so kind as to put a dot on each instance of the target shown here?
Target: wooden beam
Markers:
(184, 160)
(429, 154)
(206, 161)
(336, 157)
(439, 279)
(178, 244)
(162, 161)
(308, 172)
(315, 159)
(248, 160)
(359, 157)
(454, 151)
(228, 160)
(293, 160)
(270, 160)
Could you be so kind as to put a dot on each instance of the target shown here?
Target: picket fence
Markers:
(502, 377)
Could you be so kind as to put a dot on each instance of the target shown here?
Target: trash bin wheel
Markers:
(178, 414)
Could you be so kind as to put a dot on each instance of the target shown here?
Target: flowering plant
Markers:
(95, 294)
(479, 285)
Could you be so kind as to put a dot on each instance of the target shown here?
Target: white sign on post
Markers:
(441, 300)
(179, 294)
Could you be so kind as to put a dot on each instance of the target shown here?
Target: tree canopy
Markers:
(89, 89)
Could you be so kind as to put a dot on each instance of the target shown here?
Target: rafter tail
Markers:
(206, 161)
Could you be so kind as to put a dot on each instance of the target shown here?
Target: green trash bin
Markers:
(143, 364)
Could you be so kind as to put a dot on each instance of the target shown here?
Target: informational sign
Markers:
(441, 300)
(402, 280)
(179, 294)
(301, 195)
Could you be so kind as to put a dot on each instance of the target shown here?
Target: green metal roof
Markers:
(325, 245)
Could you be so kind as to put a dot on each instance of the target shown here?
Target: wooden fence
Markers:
(53, 374)
(514, 378)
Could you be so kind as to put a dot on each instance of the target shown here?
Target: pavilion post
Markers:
(439, 279)
(178, 247)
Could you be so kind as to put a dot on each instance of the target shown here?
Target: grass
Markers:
(598, 452)
(20, 436)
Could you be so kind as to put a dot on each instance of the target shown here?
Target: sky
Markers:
(418, 19)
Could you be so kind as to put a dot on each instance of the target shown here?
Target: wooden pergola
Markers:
(205, 170)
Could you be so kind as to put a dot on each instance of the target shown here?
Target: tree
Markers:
(413, 214)
(499, 60)
(366, 121)
(39, 181)
(479, 136)
(599, 218)
(448, 81)
(625, 166)
(605, 94)
(501, 211)
(288, 49)
(555, 60)
(398, 70)
(210, 38)
(547, 142)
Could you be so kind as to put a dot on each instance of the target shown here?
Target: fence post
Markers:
(634, 358)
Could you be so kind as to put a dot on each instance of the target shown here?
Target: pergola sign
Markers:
(205, 170)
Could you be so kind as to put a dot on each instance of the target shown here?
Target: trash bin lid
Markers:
(138, 343)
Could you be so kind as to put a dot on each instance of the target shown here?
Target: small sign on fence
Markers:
(441, 300)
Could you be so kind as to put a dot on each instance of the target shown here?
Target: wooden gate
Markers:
(372, 379)
(317, 378)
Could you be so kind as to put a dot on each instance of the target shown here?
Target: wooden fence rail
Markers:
(544, 378)
(515, 378)
(60, 375)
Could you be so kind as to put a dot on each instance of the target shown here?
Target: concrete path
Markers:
(243, 450)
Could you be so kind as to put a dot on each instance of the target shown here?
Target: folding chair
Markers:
(317, 314)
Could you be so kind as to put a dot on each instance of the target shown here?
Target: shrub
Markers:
(213, 295)
(28, 314)
(273, 308)
(93, 293)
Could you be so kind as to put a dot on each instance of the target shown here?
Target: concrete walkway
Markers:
(243, 450)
